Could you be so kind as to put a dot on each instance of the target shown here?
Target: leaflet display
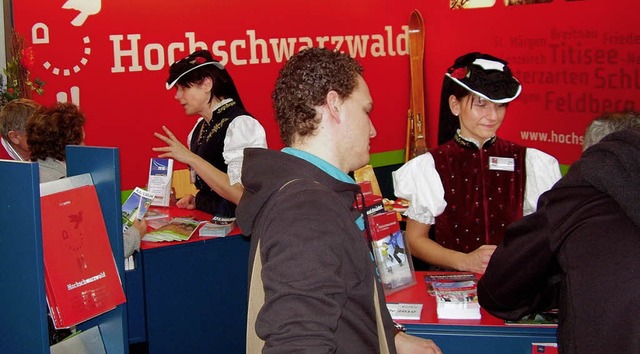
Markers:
(160, 174)
(391, 253)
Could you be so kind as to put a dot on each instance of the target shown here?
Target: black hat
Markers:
(185, 65)
(486, 76)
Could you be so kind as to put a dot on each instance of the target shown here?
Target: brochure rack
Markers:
(23, 326)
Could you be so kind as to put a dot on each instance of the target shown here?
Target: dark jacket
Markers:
(579, 252)
(317, 270)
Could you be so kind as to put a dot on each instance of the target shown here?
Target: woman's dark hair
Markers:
(474, 73)
(448, 123)
(49, 130)
(223, 85)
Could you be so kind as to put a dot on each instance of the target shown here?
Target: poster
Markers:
(112, 58)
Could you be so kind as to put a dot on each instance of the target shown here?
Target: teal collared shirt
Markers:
(328, 168)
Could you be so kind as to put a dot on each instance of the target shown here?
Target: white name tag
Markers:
(501, 163)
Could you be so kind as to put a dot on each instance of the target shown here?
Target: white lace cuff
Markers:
(421, 218)
(234, 171)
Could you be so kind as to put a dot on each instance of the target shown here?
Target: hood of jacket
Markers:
(613, 167)
(265, 171)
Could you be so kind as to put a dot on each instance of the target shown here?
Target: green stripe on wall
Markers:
(124, 195)
(387, 158)
(564, 169)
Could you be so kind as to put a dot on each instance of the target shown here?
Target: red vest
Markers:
(481, 201)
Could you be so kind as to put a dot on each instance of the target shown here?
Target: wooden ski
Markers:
(416, 133)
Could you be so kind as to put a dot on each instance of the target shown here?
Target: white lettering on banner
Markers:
(250, 50)
(193, 45)
(357, 46)
(552, 136)
(171, 52)
(148, 56)
(40, 33)
(282, 48)
(308, 42)
(336, 41)
(377, 48)
(321, 41)
(118, 53)
(218, 52)
(253, 43)
(390, 40)
(234, 45)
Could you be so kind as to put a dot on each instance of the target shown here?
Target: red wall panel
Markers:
(576, 59)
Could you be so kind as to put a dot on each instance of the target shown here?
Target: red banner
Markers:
(575, 59)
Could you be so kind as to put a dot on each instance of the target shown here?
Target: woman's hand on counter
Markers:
(187, 202)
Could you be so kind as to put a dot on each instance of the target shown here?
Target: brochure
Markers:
(178, 229)
(160, 173)
(216, 230)
(135, 207)
(450, 279)
(81, 277)
(391, 253)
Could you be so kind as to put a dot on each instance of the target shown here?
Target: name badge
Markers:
(501, 163)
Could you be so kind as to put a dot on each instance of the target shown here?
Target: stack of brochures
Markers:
(456, 295)
(218, 227)
(448, 277)
(178, 229)
(153, 214)
(216, 230)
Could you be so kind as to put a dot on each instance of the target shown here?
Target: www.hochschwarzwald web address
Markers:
(552, 137)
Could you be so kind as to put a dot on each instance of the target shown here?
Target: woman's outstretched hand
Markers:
(174, 149)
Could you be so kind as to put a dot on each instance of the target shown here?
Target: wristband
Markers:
(398, 327)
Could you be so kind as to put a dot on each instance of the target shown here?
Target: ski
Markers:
(416, 132)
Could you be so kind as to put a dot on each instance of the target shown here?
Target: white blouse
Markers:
(418, 182)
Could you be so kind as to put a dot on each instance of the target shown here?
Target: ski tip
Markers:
(415, 20)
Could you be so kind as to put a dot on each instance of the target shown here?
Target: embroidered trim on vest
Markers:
(225, 106)
(467, 144)
(207, 131)
(213, 130)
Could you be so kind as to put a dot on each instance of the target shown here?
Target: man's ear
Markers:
(454, 105)
(14, 137)
(334, 103)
